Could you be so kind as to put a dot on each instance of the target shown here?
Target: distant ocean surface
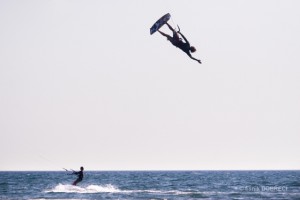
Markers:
(152, 185)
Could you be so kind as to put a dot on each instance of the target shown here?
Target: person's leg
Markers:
(166, 35)
(170, 27)
(76, 181)
(175, 35)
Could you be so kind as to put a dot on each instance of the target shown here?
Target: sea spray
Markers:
(61, 188)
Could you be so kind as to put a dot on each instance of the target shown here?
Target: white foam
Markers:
(57, 199)
(61, 188)
(108, 188)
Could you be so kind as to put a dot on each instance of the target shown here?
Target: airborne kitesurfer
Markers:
(177, 41)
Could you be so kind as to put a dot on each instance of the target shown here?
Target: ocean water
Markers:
(152, 185)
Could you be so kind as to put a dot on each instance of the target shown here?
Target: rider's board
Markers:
(159, 23)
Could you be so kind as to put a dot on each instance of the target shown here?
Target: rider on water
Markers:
(177, 41)
(79, 174)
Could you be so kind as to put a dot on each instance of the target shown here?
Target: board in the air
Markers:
(159, 23)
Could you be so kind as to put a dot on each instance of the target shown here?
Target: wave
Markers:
(108, 188)
(61, 188)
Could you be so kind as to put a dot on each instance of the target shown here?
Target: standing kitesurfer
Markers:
(79, 174)
(177, 42)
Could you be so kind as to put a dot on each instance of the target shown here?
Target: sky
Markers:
(83, 83)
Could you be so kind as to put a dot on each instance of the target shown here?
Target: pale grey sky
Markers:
(84, 83)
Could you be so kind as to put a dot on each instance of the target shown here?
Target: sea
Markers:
(150, 185)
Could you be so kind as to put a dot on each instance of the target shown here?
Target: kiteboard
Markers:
(159, 23)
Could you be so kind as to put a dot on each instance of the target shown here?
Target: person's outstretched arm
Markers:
(76, 173)
(199, 61)
(189, 54)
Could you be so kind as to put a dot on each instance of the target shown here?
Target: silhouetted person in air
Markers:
(177, 42)
(80, 176)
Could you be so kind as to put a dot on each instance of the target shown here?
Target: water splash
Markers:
(61, 188)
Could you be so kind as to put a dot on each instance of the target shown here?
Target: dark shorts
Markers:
(77, 181)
